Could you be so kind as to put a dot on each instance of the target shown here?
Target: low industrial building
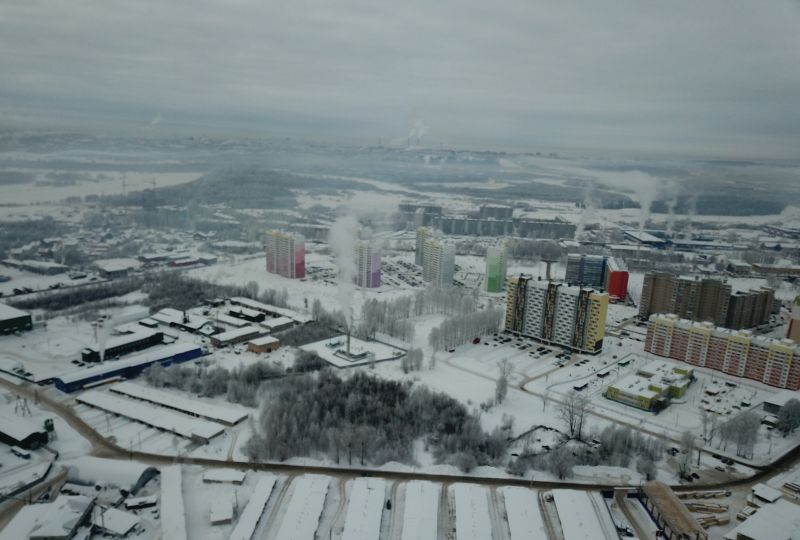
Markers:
(116, 268)
(183, 320)
(37, 267)
(263, 344)
(18, 431)
(669, 512)
(247, 314)
(127, 368)
(770, 522)
(14, 320)
(652, 386)
(122, 345)
(278, 324)
(232, 337)
(58, 520)
(270, 310)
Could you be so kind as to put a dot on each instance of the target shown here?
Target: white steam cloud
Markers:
(342, 240)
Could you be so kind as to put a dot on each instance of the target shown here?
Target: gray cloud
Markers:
(717, 77)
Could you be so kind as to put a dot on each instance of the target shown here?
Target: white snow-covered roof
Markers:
(251, 514)
(777, 520)
(57, 519)
(232, 321)
(136, 502)
(578, 517)
(420, 514)
(769, 494)
(266, 340)
(174, 316)
(221, 509)
(173, 513)
(124, 339)
(180, 424)
(8, 312)
(271, 310)
(302, 515)
(150, 356)
(237, 333)
(472, 512)
(229, 476)
(93, 471)
(114, 521)
(277, 322)
(117, 265)
(16, 426)
(781, 398)
(228, 415)
(363, 520)
(524, 517)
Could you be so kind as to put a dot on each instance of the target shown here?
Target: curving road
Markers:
(104, 448)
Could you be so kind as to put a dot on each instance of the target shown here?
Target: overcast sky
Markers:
(720, 77)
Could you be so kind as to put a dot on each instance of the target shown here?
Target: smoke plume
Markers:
(342, 240)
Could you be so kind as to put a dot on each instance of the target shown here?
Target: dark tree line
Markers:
(75, 296)
(176, 290)
(367, 420)
(241, 385)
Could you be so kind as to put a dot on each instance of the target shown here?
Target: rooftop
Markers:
(681, 521)
(8, 312)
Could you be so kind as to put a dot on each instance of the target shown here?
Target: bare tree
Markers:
(501, 389)
(572, 412)
(789, 417)
(687, 447)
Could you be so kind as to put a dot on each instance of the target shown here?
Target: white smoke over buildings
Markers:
(342, 240)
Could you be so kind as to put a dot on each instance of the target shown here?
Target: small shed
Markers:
(263, 344)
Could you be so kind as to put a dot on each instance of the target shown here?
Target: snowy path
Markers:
(364, 511)
(421, 511)
(472, 512)
(305, 507)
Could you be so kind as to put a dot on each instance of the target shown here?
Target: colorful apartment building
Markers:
(555, 313)
(739, 353)
(368, 265)
(496, 263)
(286, 254)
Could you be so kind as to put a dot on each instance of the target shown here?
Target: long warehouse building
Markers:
(127, 368)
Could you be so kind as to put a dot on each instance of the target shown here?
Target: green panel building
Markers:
(496, 268)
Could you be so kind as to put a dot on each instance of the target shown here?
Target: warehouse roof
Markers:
(144, 358)
(15, 426)
(674, 512)
(8, 312)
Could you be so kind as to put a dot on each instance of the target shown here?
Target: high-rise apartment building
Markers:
(423, 233)
(556, 313)
(496, 262)
(438, 262)
(368, 265)
(599, 272)
(735, 352)
(793, 331)
(616, 283)
(704, 300)
(586, 270)
(286, 254)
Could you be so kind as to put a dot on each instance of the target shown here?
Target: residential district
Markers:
(617, 381)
